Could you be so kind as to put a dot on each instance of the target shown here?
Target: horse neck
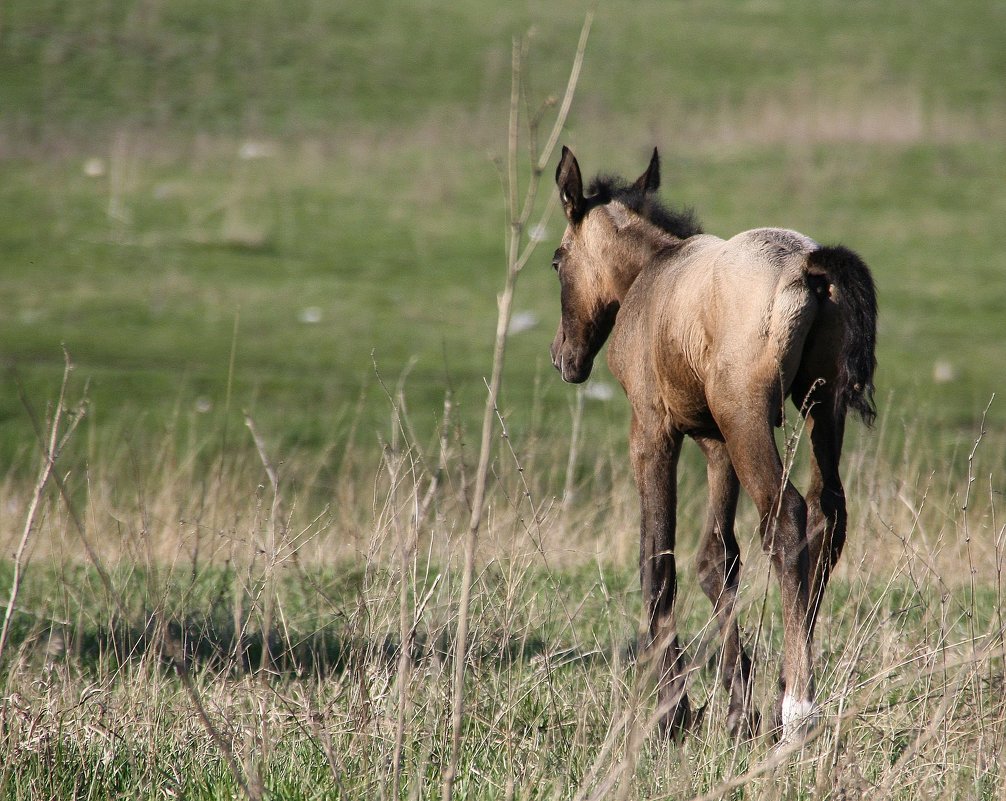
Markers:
(639, 246)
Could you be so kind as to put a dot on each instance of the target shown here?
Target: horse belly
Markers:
(682, 390)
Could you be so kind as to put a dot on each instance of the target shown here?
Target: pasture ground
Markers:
(214, 217)
(239, 626)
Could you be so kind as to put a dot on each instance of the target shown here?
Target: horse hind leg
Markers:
(813, 394)
(719, 566)
(826, 510)
(783, 514)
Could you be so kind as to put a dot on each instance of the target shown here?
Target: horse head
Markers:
(588, 265)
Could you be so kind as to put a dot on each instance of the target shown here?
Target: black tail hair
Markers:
(856, 297)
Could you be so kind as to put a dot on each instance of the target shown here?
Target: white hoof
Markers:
(798, 718)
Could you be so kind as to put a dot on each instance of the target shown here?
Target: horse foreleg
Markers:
(654, 461)
(719, 566)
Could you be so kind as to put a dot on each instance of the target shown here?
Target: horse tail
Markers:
(851, 289)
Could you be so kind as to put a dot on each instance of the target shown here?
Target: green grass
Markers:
(376, 208)
(548, 687)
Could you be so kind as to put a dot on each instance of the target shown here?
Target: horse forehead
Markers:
(578, 240)
(599, 228)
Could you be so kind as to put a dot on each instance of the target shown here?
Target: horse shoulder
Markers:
(628, 347)
(659, 345)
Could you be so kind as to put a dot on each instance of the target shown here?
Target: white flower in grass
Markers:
(522, 321)
(94, 168)
(944, 372)
(599, 391)
(310, 315)
(252, 150)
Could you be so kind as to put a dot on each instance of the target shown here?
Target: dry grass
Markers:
(210, 562)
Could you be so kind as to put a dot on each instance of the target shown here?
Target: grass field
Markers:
(286, 221)
(269, 189)
(234, 625)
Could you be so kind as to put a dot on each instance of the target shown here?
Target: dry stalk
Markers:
(403, 461)
(274, 536)
(516, 259)
(972, 611)
(50, 452)
(568, 490)
(71, 509)
(965, 508)
(252, 789)
(395, 460)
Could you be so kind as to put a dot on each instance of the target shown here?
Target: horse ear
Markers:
(649, 181)
(570, 183)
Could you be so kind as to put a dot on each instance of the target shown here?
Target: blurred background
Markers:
(273, 207)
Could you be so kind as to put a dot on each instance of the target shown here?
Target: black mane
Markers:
(682, 223)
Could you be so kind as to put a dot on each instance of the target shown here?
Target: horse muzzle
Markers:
(571, 365)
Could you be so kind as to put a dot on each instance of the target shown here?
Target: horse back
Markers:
(731, 313)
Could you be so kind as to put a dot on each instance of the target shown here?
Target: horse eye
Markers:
(556, 260)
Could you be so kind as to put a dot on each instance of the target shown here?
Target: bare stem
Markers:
(50, 452)
(253, 789)
(515, 261)
(567, 99)
(275, 536)
(574, 446)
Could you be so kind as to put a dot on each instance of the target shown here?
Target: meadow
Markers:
(270, 240)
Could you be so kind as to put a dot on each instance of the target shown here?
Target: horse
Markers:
(708, 338)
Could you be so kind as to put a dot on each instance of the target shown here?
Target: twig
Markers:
(574, 447)
(50, 453)
(395, 461)
(974, 450)
(252, 790)
(567, 99)
(515, 261)
(71, 509)
(274, 537)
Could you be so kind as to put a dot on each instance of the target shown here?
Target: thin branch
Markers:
(515, 260)
(567, 99)
(71, 508)
(50, 453)
(252, 790)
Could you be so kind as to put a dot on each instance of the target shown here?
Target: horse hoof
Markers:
(743, 725)
(799, 719)
(680, 721)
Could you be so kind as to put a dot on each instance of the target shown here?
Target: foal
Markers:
(708, 338)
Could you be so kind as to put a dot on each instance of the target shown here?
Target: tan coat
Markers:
(709, 337)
